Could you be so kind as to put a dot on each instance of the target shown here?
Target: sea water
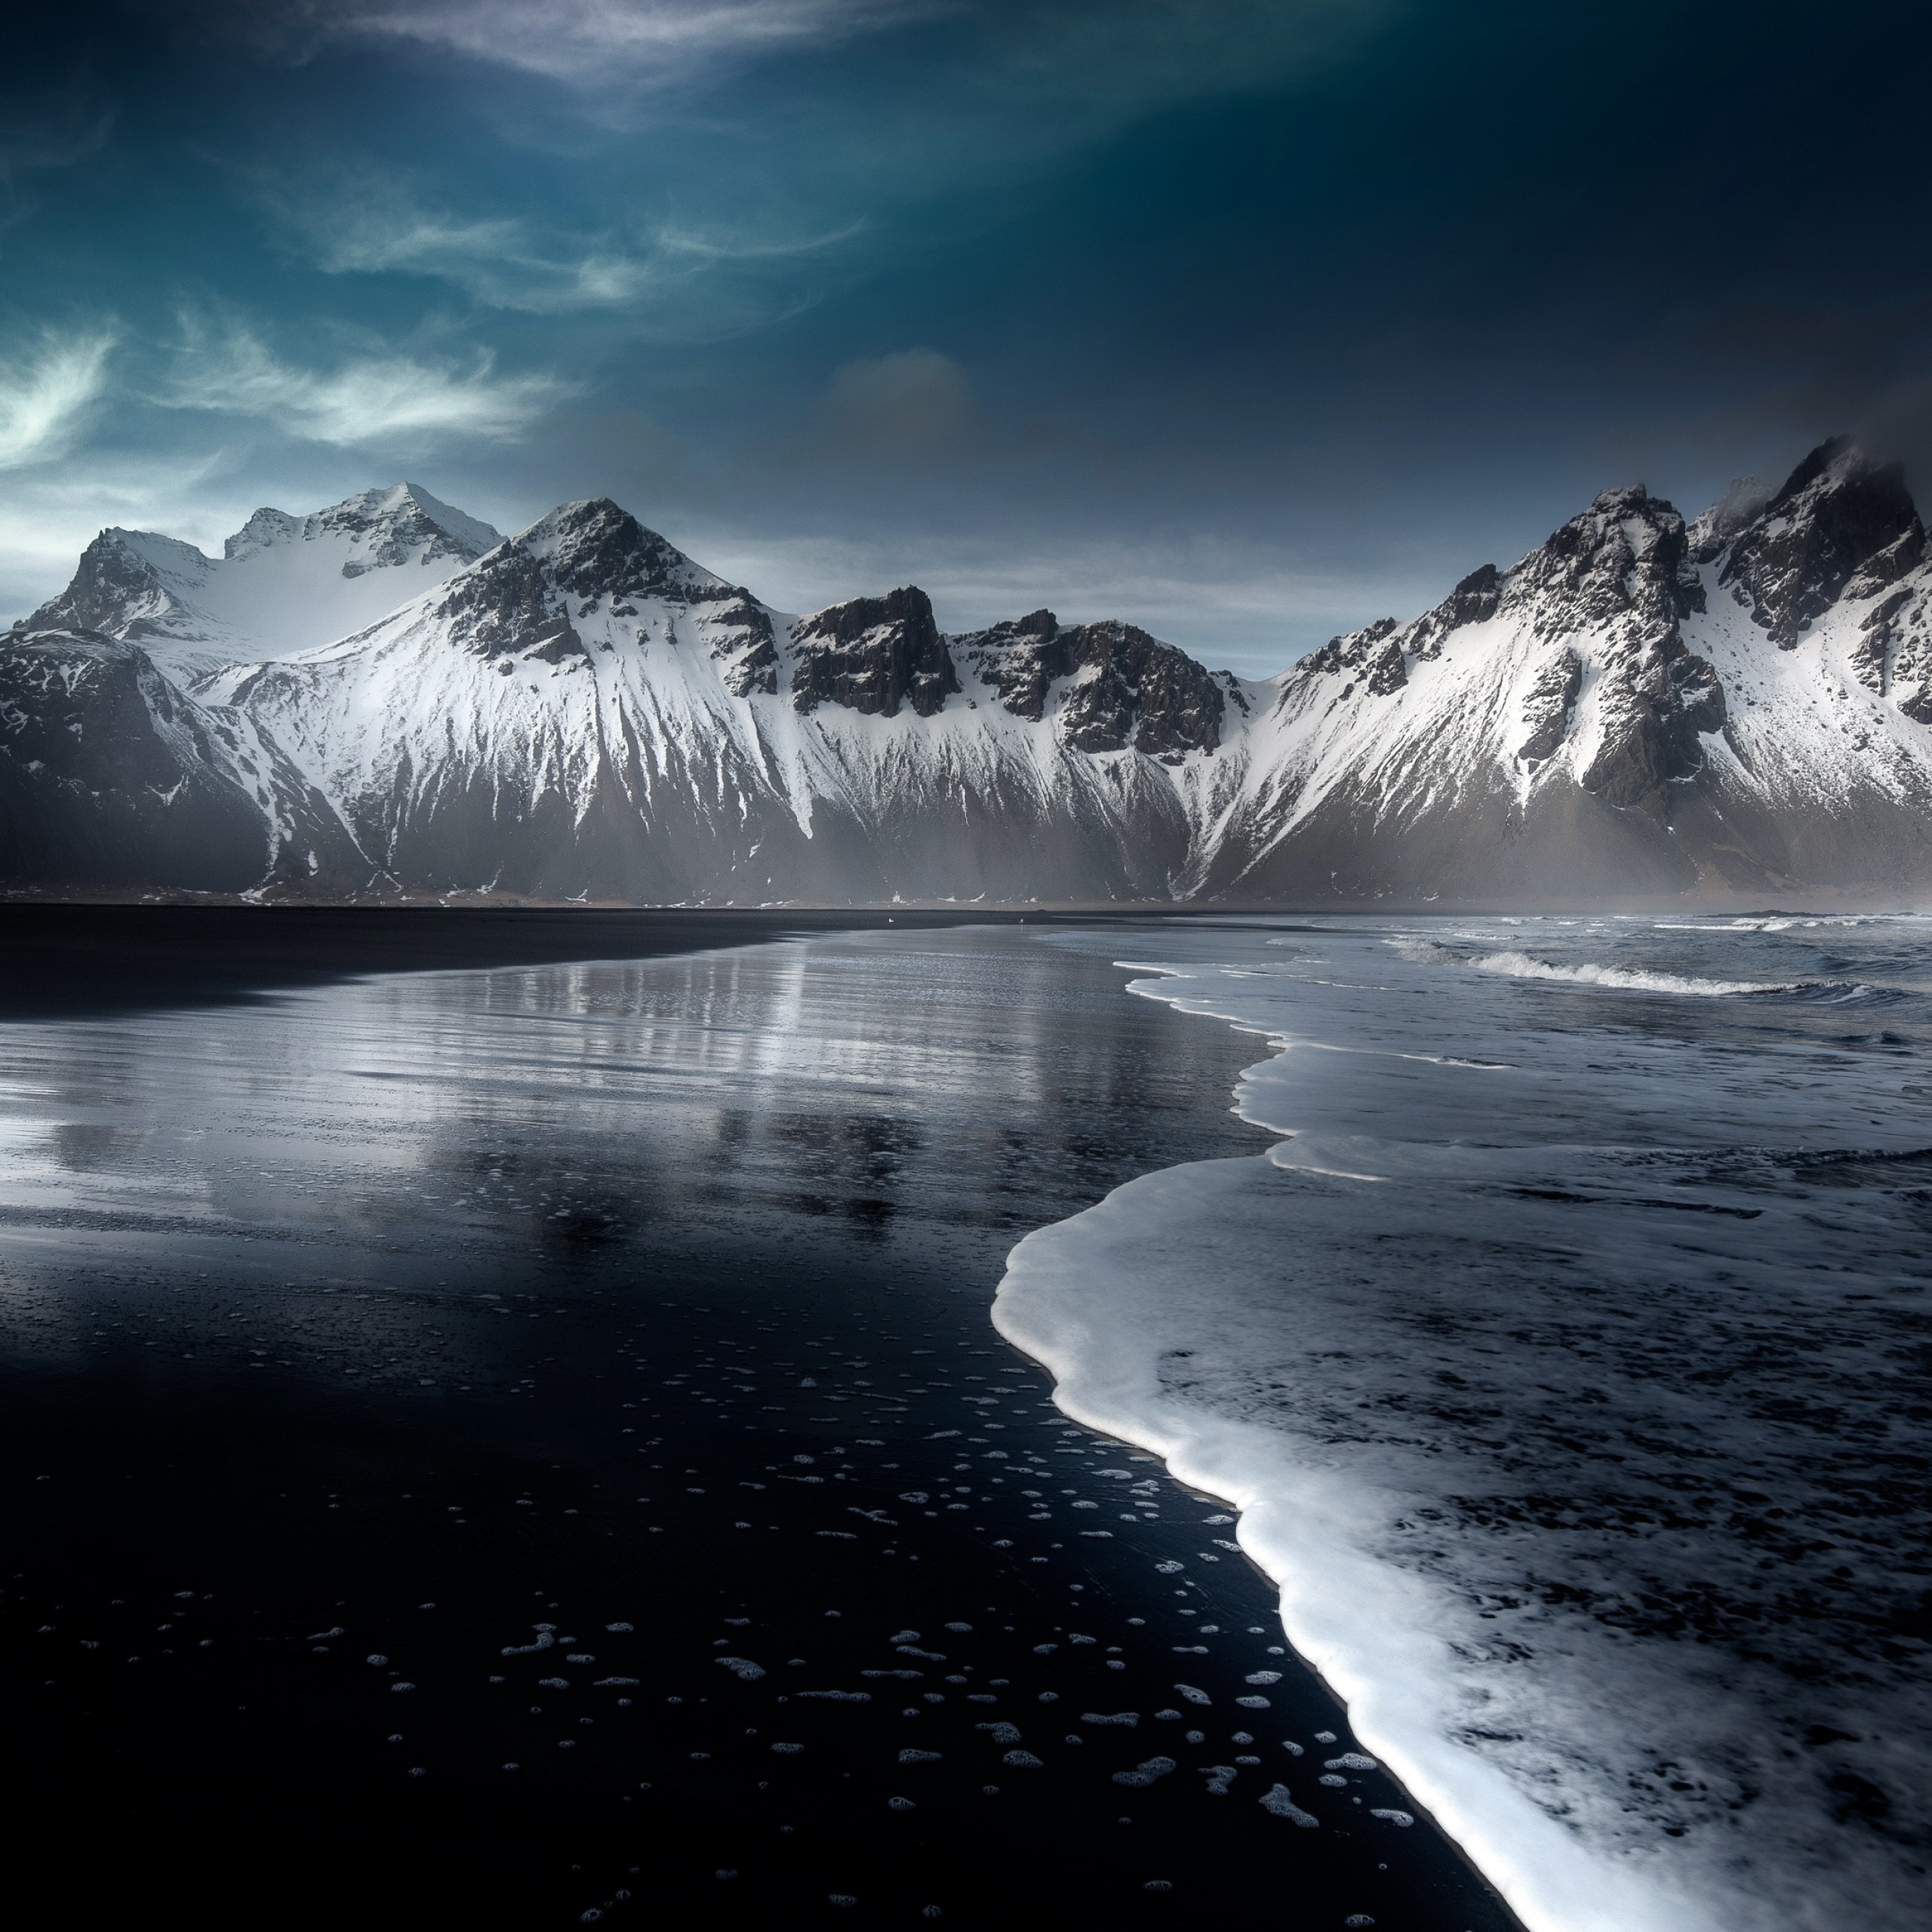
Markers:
(1568, 1359)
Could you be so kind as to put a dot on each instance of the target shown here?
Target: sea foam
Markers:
(1556, 1363)
(1521, 966)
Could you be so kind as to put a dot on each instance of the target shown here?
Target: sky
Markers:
(1247, 320)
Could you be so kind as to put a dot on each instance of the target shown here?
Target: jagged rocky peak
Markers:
(525, 597)
(1623, 569)
(1375, 660)
(383, 528)
(600, 554)
(1129, 691)
(1742, 502)
(1474, 601)
(1842, 524)
(123, 585)
(1372, 659)
(1624, 564)
(283, 584)
(595, 549)
(1614, 585)
(872, 654)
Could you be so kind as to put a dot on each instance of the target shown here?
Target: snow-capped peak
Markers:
(594, 548)
(282, 585)
(401, 524)
(1842, 524)
(1637, 706)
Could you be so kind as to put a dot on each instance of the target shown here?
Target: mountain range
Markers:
(388, 698)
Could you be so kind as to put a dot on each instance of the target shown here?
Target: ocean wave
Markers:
(1843, 992)
(1774, 922)
(1631, 979)
(1435, 1400)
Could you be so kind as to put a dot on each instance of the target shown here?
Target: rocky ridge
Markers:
(282, 585)
(1641, 705)
(109, 771)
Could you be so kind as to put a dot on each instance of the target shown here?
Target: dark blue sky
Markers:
(1249, 322)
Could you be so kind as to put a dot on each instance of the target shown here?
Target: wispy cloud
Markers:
(46, 392)
(366, 226)
(1096, 58)
(500, 260)
(597, 41)
(374, 399)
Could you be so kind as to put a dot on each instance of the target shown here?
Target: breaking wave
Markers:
(1437, 1401)
(1524, 966)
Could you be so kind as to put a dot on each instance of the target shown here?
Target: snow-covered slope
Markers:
(585, 711)
(1638, 707)
(111, 774)
(282, 585)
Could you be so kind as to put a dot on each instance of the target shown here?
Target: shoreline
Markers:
(1288, 1523)
(668, 1334)
(1466, 1349)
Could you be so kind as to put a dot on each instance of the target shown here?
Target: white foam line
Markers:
(1365, 1625)
(1522, 966)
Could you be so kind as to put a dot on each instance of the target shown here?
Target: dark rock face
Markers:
(516, 602)
(1371, 659)
(1653, 714)
(743, 642)
(1624, 563)
(553, 641)
(1549, 707)
(1138, 693)
(1893, 655)
(1623, 569)
(84, 710)
(110, 774)
(597, 550)
(1020, 658)
(1130, 691)
(502, 605)
(1375, 660)
(872, 654)
(1474, 601)
(112, 578)
(1839, 517)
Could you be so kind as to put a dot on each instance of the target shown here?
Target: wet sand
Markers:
(511, 1449)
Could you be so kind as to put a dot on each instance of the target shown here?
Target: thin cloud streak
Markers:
(587, 42)
(364, 225)
(382, 400)
(1096, 63)
(45, 395)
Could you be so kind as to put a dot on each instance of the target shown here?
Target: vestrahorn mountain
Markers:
(386, 699)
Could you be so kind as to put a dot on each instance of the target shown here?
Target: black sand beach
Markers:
(524, 1448)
